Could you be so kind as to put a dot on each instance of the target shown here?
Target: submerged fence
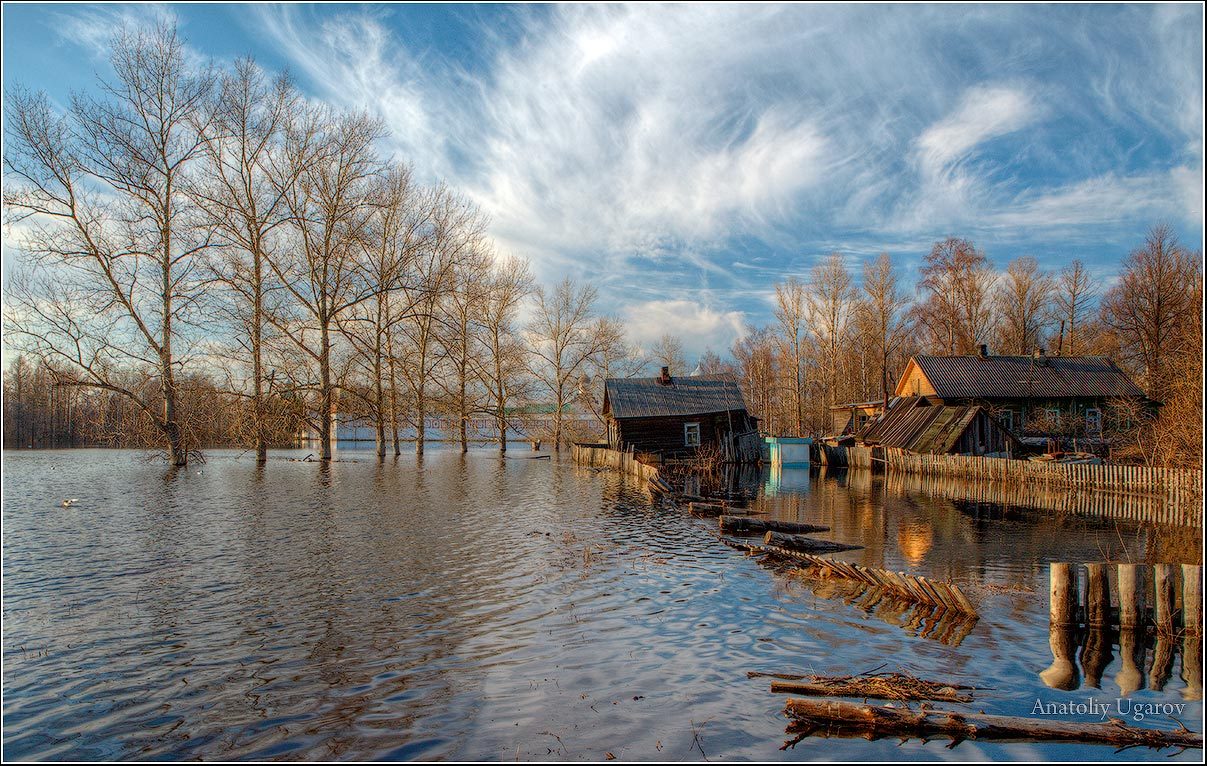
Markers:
(1179, 484)
(603, 455)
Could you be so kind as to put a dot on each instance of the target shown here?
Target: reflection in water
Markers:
(480, 608)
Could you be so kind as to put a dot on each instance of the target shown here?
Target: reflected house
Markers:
(1035, 396)
(679, 417)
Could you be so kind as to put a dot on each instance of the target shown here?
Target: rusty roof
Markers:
(1015, 377)
(694, 395)
(911, 424)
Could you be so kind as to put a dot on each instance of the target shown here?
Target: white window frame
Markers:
(688, 429)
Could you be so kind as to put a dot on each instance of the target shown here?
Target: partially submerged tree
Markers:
(109, 279)
(503, 369)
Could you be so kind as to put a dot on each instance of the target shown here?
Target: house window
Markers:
(1093, 421)
(1053, 415)
(1008, 419)
(691, 434)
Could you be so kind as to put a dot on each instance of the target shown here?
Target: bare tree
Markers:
(503, 369)
(386, 261)
(758, 370)
(329, 204)
(883, 316)
(1023, 300)
(110, 272)
(830, 298)
(242, 204)
(455, 227)
(563, 336)
(1074, 293)
(1149, 306)
(615, 358)
(790, 313)
(711, 363)
(459, 341)
(957, 282)
(668, 352)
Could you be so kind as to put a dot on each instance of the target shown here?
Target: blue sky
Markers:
(685, 158)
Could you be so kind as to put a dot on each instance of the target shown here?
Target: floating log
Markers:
(805, 544)
(740, 524)
(833, 718)
(889, 686)
(706, 509)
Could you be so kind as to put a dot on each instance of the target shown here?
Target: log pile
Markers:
(834, 718)
(805, 544)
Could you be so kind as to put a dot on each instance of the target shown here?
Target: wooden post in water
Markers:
(1062, 615)
(1192, 666)
(1097, 596)
(1159, 672)
(1131, 596)
(1192, 599)
(1163, 603)
(1062, 594)
(1130, 677)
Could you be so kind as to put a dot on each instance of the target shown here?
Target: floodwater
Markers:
(467, 607)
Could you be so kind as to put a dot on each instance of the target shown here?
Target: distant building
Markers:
(676, 417)
(1036, 395)
(915, 424)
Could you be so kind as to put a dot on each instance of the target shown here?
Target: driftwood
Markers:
(889, 686)
(832, 718)
(744, 524)
(805, 544)
(706, 509)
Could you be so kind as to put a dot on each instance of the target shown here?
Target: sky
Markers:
(685, 158)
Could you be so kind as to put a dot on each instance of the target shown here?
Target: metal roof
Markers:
(694, 395)
(913, 425)
(1016, 377)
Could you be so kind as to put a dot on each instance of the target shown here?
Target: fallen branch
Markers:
(889, 686)
(830, 718)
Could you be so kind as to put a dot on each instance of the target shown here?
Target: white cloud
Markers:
(984, 113)
(700, 327)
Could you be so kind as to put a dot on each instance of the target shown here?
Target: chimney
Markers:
(1039, 353)
(984, 350)
(665, 378)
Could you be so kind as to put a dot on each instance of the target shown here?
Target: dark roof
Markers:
(1015, 377)
(909, 423)
(695, 395)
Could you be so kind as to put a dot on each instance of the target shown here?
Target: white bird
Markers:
(70, 502)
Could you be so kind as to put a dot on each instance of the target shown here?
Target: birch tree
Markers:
(1074, 294)
(108, 274)
(1024, 306)
(883, 314)
(790, 314)
(503, 370)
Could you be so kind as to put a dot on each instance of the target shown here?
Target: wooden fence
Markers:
(603, 455)
(1049, 497)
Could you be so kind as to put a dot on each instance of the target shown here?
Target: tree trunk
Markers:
(257, 363)
(325, 400)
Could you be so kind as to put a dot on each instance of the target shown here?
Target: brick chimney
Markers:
(665, 378)
(984, 350)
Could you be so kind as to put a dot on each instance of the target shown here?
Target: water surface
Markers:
(467, 607)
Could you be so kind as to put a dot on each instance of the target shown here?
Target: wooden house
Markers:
(915, 424)
(677, 417)
(1034, 395)
(851, 418)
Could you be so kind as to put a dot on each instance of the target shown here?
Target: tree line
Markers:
(836, 340)
(208, 258)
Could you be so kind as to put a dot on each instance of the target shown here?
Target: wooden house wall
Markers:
(665, 433)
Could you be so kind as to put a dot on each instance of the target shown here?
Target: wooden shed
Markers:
(677, 417)
(917, 425)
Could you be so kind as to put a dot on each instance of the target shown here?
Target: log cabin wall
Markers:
(665, 434)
